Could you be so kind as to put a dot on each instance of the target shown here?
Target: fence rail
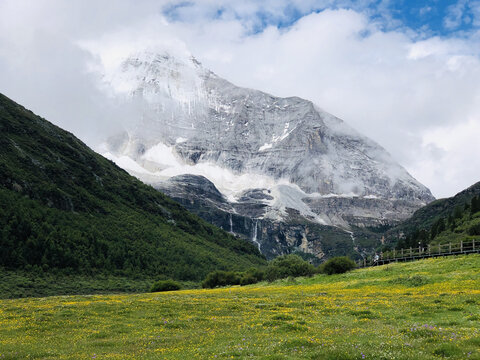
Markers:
(420, 252)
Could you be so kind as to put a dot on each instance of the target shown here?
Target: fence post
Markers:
(450, 248)
(402, 252)
(394, 255)
(428, 249)
(473, 244)
(411, 254)
(461, 246)
(364, 262)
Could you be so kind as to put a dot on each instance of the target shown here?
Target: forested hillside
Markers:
(65, 209)
(445, 220)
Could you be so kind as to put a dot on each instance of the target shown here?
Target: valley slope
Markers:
(65, 209)
(425, 310)
(445, 220)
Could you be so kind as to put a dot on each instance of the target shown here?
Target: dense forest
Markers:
(65, 209)
(446, 220)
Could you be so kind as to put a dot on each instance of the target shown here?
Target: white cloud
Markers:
(453, 156)
(463, 12)
(425, 10)
(393, 88)
(475, 9)
(455, 15)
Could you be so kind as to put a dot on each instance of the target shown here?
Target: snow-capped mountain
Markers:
(273, 160)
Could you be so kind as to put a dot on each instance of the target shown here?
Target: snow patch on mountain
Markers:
(290, 196)
(126, 163)
(265, 147)
(160, 162)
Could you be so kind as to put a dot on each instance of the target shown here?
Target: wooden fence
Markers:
(420, 252)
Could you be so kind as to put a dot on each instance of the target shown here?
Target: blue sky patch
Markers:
(428, 17)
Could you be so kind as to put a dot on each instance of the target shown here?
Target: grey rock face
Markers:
(265, 156)
(244, 218)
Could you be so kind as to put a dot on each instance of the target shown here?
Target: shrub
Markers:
(221, 278)
(251, 276)
(337, 265)
(474, 229)
(288, 265)
(225, 278)
(248, 279)
(165, 285)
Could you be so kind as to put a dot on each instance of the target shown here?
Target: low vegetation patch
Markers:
(165, 285)
(448, 350)
(286, 266)
(283, 267)
(337, 265)
(225, 278)
(411, 281)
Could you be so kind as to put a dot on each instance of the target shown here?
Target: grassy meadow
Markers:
(428, 309)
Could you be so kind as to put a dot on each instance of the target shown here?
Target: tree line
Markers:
(452, 222)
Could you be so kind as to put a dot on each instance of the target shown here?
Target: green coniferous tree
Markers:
(475, 205)
(457, 213)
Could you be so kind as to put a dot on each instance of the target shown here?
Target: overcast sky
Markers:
(405, 73)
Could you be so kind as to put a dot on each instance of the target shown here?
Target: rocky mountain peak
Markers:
(191, 121)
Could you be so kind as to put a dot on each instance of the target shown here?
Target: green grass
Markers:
(432, 312)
